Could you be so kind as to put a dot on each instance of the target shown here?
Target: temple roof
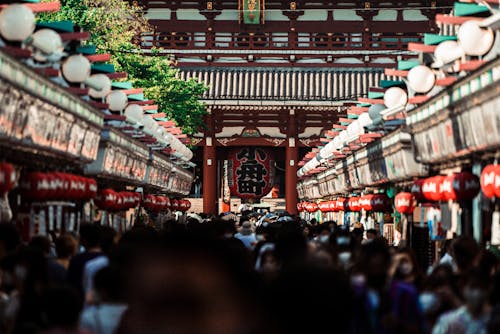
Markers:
(285, 84)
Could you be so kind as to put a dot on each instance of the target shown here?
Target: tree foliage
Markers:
(113, 25)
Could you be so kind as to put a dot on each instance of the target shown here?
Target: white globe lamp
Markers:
(76, 69)
(17, 22)
(134, 114)
(46, 43)
(421, 79)
(474, 40)
(395, 97)
(447, 52)
(150, 125)
(117, 101)
(364, 120)
(100, 85)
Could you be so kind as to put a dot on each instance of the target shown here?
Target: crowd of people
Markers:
(237, 274)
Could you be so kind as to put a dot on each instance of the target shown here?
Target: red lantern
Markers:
(137, 199)
(365, 202)
(332, 206)
(36, 186)
(405, 203)
(106, 199)
(188, 204)
(299, 206)
(168, 203)
(161, 203)
(380, 203)
(7, 177)
(341, 204)
(175, 204)
(149, 202)
(51, 193)
(353, 204)
(416, 190)
(431, 188)
(490, 181)
(91, 189)
(323, 206)
(460, 186)
(252, 172)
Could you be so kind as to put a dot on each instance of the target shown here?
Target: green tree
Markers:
(113, 24)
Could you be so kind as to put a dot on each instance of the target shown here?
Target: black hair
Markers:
(9, 237)
(90, 235)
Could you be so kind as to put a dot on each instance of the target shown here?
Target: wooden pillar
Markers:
(291, 166)
(209, 177)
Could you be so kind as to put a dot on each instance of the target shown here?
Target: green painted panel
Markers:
(391, 83)
(87, 49)
(61, 26)
(405, 65)
(468, 9)
(375, 95)
(103, 67)
(122, 84)
(433, 39)
(136, 97)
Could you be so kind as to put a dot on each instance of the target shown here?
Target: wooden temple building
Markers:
(280, 73)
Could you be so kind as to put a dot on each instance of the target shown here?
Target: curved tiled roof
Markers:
(263, 83)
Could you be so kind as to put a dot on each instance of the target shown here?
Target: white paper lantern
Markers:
(365, 120)
(134, 114)
(47, 43)
(76, 69)
(395, 97)
(474, 40)
(448, 51)
(374, 111)
(100, 85)
(17, 22)
(343, 136)
(150, 125)
(421, 79)
(117, 100)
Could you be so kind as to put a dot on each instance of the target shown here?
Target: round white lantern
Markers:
(117, 101)
(17, 22)
(46, 43)
(134, 114)
(76, 69)
(448, 51)
(374, 111)
(343, 136)
(421, 79)
(364, 120)
(337, 143)
(150, 125)
(100, 85)
(395, 97)
(475, 41)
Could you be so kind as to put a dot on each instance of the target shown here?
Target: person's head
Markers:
(371, 234)
(108, 285)
(66, 246)
(374, 262)
(246, 228)
(41, 243)
(477, 288)
(405, 264)
(107, 239)
(465, 253)
(62, 307)
(90, 236)
(9, 239)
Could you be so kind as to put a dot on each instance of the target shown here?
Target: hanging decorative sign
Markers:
(251, 11)
(353, 204)
(405, 203)
(431, 188)
(341, 204)
(7, 177)
(251, 172)
(323, 206)
(299, 207)
(460, 186)
(332, 206)
(312, 207)
(416, 190)
(490, 181)
(365, 202)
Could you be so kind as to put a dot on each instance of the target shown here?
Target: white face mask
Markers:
(345, 258)
(343, 240)
(324, 238)
(405, 268)
(259, 237)
(228, 235)
(474, 297)
(429, 302)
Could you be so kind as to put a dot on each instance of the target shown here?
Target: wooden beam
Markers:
(41, 7)
(398, 73)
